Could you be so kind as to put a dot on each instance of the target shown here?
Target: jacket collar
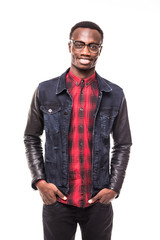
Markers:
(61, 85)
(102, 83)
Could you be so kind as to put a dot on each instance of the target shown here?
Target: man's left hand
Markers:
(105, 196)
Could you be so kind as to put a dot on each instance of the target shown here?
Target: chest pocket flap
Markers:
(50, 109)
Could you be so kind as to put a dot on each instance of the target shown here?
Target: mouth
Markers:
(84, 61)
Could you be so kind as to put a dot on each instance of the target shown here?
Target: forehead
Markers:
(86, 35)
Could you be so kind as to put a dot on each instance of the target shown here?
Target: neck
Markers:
(82, 73)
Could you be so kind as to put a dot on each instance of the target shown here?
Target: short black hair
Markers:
(86, 24)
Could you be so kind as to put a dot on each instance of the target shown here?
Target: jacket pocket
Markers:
(51, 114)
(107, 117)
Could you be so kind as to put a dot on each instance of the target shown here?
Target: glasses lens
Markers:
(93, 47)
(79, 45)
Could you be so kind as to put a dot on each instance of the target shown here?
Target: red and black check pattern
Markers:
(84, 94)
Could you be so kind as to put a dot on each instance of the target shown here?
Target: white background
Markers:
(33, 48)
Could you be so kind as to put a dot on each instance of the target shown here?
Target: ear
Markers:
(69, 46)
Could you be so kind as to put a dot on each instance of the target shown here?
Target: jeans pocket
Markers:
(104, 205)
(51, 205)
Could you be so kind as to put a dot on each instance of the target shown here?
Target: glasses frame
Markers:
(85, 44)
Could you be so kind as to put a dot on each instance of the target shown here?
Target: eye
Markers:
(93, 46)
(79, 44)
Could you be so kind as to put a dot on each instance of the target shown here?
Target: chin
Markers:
(84, 67)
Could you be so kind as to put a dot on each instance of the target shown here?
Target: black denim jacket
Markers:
(51, 111)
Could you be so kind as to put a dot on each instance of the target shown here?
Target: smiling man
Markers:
(79, 111)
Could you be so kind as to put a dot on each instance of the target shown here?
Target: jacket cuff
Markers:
(115, 190)
(34, 181)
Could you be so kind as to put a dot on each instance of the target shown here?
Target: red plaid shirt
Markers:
(84, 95)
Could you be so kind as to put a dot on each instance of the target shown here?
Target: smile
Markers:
(84, 60)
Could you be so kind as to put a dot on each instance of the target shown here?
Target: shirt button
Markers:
(81, 127)
(81, 109)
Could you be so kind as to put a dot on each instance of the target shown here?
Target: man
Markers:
(78, 111)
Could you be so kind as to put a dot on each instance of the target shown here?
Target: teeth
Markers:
(84, 61)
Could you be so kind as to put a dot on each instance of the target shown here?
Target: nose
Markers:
(85, 50)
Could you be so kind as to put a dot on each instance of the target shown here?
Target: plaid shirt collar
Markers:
(74, 80)
(103, 85)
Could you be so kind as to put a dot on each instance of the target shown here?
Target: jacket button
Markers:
(65, 113)
(63, 151)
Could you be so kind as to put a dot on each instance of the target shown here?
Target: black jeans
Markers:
(60, 221)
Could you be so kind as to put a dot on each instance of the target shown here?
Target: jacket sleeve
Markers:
(121, 149)
(32, 140)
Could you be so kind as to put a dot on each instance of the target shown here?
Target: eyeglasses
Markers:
(92, 47)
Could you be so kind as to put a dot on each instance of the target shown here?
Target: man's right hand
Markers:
(48, 192)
